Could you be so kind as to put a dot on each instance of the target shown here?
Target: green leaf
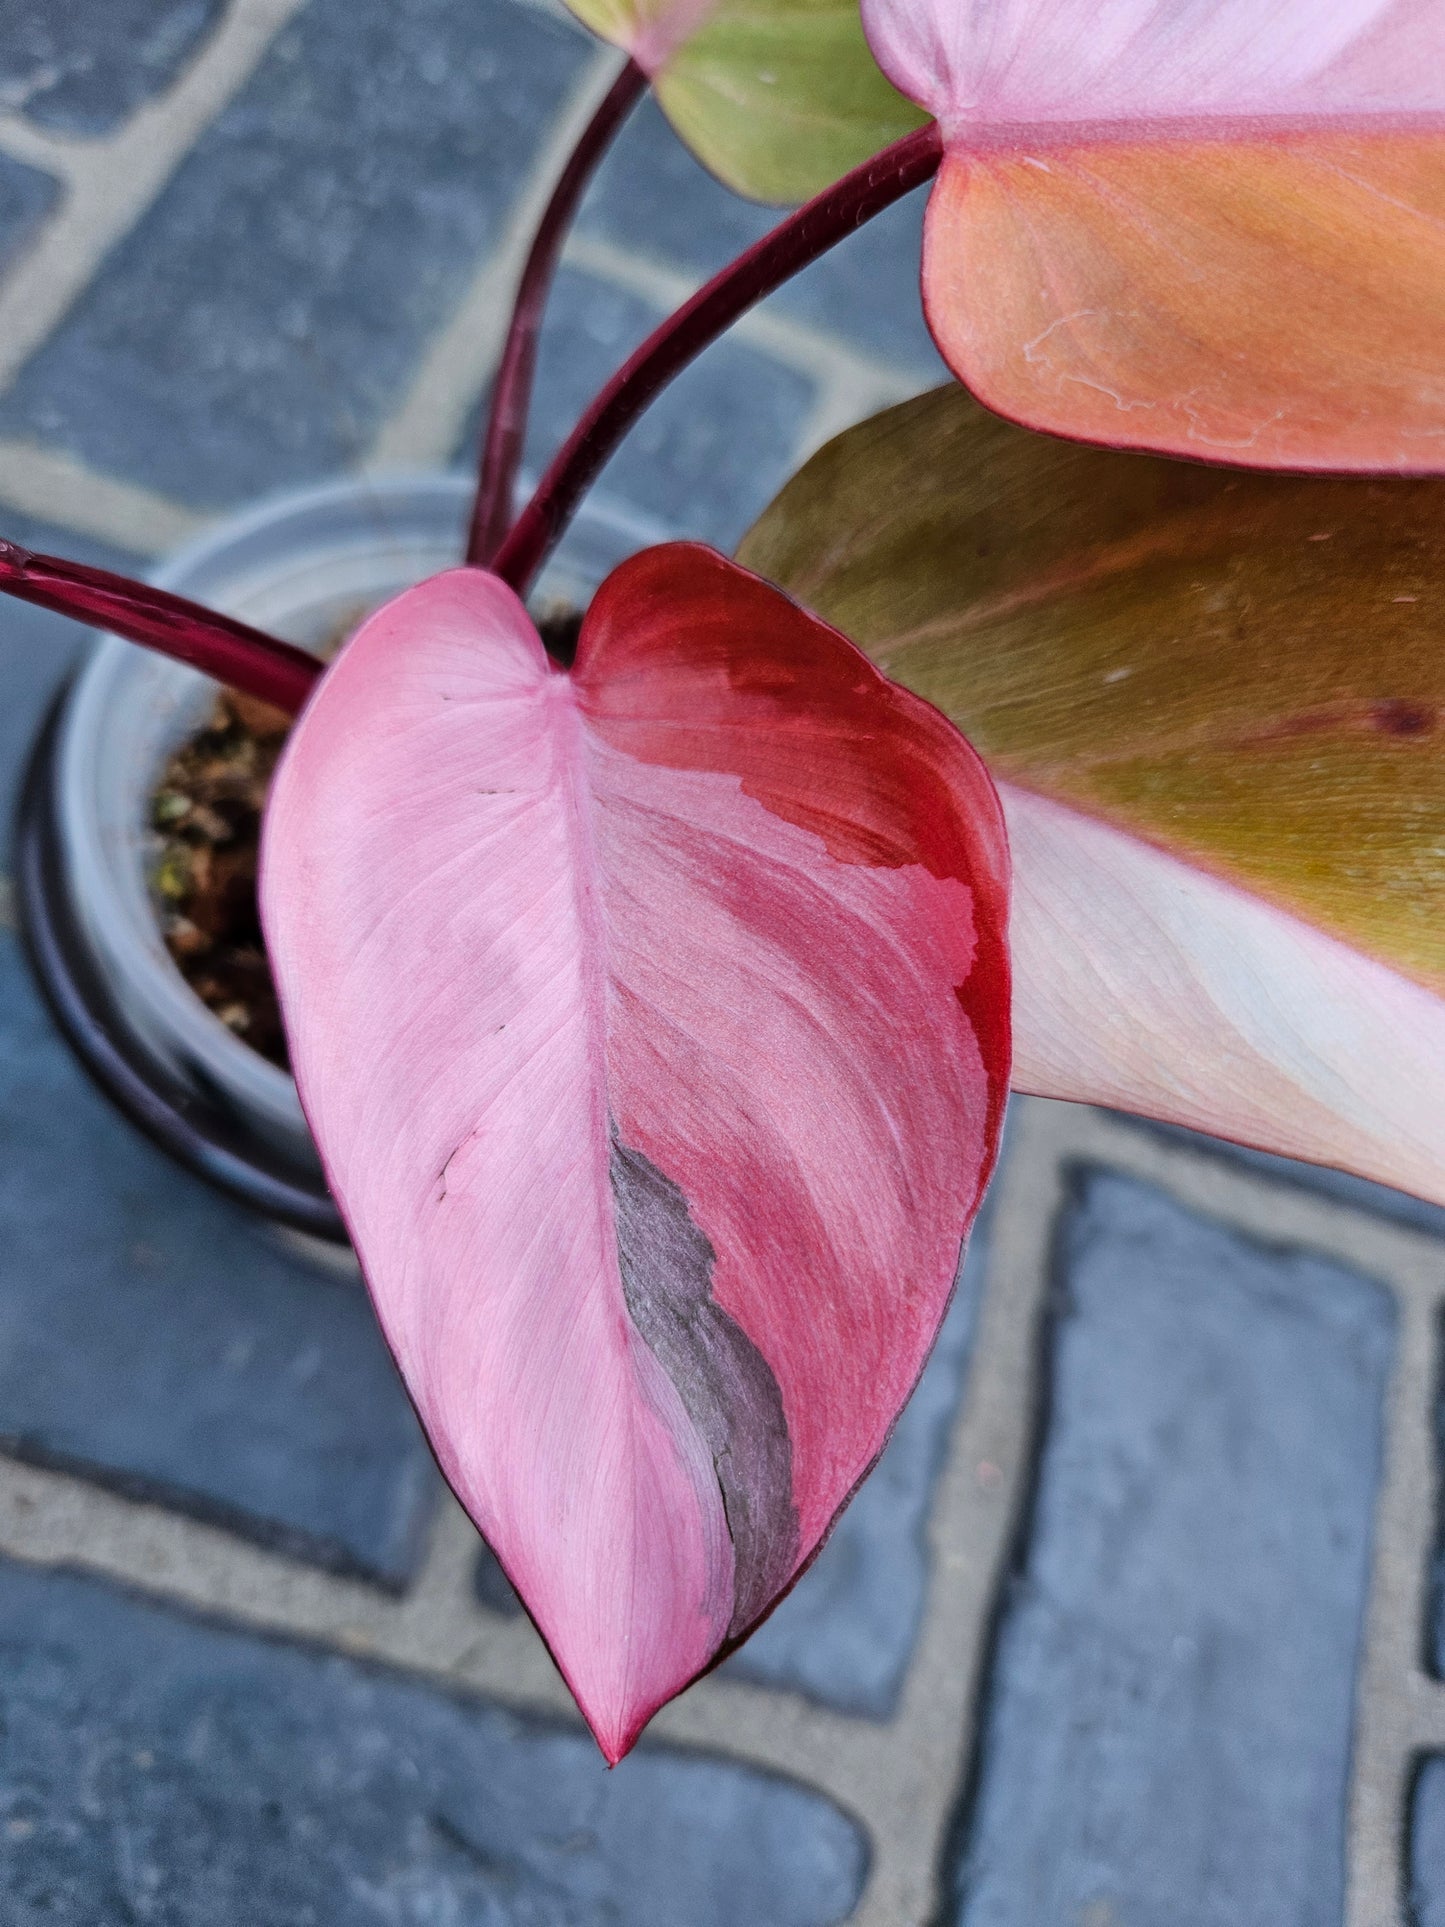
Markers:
(1214, 702)
(1247, 669)
(777, 97)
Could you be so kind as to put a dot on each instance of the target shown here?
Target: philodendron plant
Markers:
(652, 1011)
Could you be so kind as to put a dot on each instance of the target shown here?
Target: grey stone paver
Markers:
(652, 196)
(1377, 1199)
(1168, 1732)
(1427, 1846)
(26, 197)
(37, 653)
(709, 454)
(492, 1587)
(868, 289)
(83, 70)
(154, 1336)
(155, 1769)
(1436, 1637)
(255, 326)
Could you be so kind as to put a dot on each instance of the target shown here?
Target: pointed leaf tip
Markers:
(652, 1020)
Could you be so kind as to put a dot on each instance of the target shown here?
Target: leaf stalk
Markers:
(231, 651)
(276, 672)
(791, 246)
(512, 388)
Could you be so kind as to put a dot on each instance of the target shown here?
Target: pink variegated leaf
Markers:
(999, 65)
(1206, 227)
(652, 1020)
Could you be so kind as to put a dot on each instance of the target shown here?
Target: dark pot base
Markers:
(200, 1129)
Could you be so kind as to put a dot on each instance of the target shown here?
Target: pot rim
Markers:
(86, 894)
(198, 1135)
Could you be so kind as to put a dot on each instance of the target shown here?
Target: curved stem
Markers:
(766, 265)
(233, 652)
(512, 389)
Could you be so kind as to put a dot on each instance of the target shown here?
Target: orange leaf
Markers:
(1214, 230)
(1274, 303)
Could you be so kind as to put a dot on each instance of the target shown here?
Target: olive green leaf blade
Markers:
(777, 97)
(1214, 702)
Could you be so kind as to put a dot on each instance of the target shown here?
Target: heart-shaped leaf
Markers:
(1215, 230)
(777, 97)
(1213, 702)
(652, 1021)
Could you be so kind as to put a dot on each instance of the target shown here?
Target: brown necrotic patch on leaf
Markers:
(725, 1384)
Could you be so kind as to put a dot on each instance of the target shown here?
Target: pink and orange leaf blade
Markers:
(1215, 231)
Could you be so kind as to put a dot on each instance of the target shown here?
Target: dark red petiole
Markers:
(276, 672)
(233, 652)
(512, 389)
(801, 238)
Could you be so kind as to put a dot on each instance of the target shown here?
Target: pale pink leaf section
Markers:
(422, 878)
(982, 65)
(1144, 984)
(651, 31)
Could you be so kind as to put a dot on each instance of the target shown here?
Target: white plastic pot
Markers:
(303, 566)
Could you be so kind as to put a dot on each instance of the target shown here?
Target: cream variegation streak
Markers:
(1142, 983)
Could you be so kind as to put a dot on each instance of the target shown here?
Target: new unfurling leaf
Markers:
(652, 1020)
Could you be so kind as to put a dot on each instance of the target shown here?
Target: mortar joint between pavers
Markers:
(422, 430)
(55, 1520)
(57, 488)
(60, 155)
(114, 180)
(1410, 1262)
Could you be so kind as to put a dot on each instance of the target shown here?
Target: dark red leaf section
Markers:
(877, 800)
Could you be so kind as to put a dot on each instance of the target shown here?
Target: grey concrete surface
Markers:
(256, 324)
(1168, 1730)
(153, 1768)
(1427, 1845)
(158, 1338)
(26, 197)
(714, 449)
(83, 70)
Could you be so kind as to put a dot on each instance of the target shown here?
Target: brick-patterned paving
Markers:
(1136, 1624)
